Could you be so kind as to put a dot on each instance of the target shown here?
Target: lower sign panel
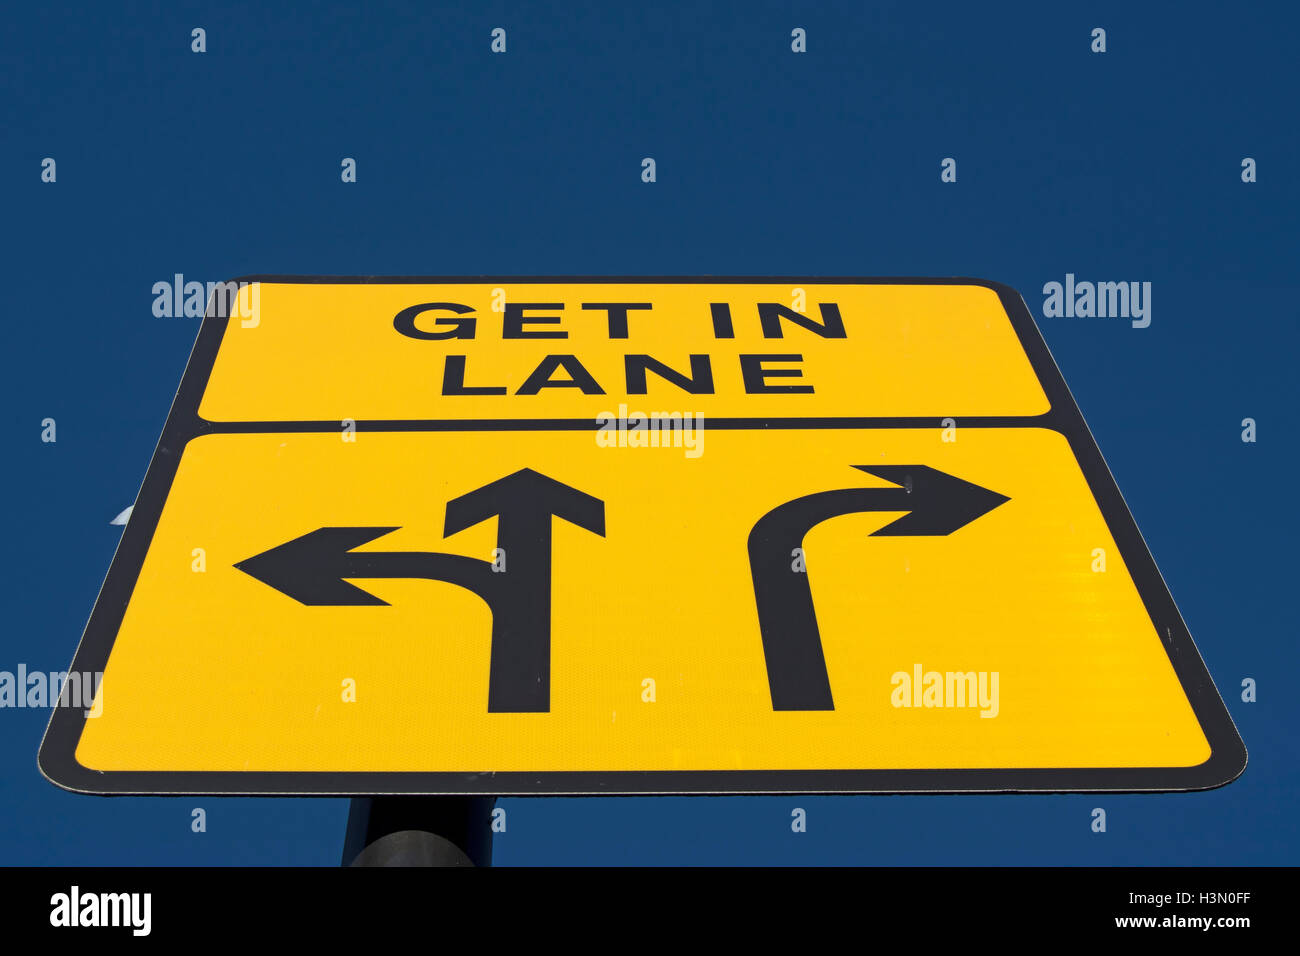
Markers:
(830, 609)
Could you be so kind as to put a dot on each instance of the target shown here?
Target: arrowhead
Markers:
(525, 491)
(944, 503)
(310, 569)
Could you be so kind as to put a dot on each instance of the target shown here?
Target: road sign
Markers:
(529, 535)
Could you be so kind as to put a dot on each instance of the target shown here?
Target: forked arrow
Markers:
(311, 569)
(936, 504)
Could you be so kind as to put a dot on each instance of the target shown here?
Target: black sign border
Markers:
(57, 761)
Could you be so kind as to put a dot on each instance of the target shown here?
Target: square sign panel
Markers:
(529, 535)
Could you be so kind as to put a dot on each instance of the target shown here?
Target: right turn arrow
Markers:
(936, 504)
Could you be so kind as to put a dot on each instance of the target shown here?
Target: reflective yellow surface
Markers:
(323, 352)
(215, 670)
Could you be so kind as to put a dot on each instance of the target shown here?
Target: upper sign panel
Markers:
(499, 349)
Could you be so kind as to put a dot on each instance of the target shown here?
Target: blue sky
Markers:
(1119, 166)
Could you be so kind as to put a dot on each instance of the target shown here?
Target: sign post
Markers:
(419, 831)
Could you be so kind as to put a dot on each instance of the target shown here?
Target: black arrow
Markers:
(524, 504)
(311, 570)
(936, 504)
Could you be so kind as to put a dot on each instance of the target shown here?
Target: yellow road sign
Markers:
(633, 536)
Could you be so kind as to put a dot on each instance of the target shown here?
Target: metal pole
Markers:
(419, 831)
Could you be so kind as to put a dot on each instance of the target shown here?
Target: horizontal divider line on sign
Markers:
(592, 424)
